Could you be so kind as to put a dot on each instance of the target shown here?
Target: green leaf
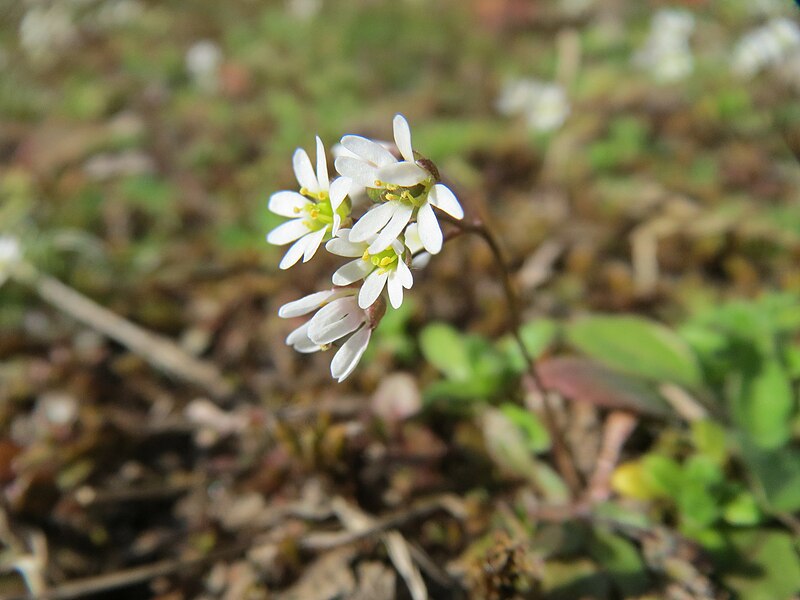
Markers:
(536, 336)
(662, 475)
(764, 408)
(709, 439)
(777, 473)
(446, 349)
(698, 507)
(508, 447)
(766, 566)
(535, 432)
(742, 510)
(621, 560)
(637, 346)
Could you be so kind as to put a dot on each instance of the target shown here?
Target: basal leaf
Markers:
(585, 380)
(637, 346)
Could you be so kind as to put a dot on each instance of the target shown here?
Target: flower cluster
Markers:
(400, 227)
(666, 52)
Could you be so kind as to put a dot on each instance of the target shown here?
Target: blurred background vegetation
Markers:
(649, 205)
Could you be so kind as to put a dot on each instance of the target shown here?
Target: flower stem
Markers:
(561, 453)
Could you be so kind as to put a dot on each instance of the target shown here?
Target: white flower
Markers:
(404, 190)
(543, 105)
(318, 209)
(304, 10)
(666, 53)
(202, 62)
(338, 316)
(10, 255)
(45, 31)
(386, 268)
(766, 46)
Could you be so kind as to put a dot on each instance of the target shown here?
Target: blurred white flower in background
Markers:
(666, 52)
(304, 10)
(766, 46)
(203, 60)
(44, 31)
(10, 255)
(113, 13)
(544, 106)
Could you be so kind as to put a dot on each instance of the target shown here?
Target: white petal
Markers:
(443, 199)
(404, 273)
(341, 247)
(337, 222)
(363, 173)
(328, 332)
(411, 238)
(294, 253)
(332, 313)
(373, 221)
(372, 288)
(287, 232)
(429, 231)
(339, 189)
(352, 272)
(350, 353)
(300, 341)
(322, 166)
(394, 228)
(304, 171)
(395, 290)
(421, 260)
(305, 305)
(287, 204)
(403, 173)
(368, 150)
(402, 137)
(313, 241)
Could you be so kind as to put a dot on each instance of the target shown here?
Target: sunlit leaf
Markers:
(446, 349)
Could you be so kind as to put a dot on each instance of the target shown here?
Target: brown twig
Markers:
(156, 350)
(93, 585)
(327, 540)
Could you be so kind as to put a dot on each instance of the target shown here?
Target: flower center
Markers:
(414, 196)
(384, 261)
(319, 212)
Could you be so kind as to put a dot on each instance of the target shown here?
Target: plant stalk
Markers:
(561, 453)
